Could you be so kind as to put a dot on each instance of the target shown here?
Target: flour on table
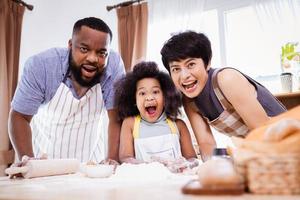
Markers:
(142, 172)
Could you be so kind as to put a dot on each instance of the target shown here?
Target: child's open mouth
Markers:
(151, 110)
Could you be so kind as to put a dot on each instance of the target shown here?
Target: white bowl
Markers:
(98, 171)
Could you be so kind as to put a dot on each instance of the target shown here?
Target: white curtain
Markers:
(279, 19)
(167, 17)
(177, 11)
(280, 22)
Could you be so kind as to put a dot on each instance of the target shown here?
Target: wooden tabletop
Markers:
(289, 100)
(77, 186)
(288, 94)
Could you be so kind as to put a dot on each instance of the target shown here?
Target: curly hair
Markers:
(125, 91)
(188, 44)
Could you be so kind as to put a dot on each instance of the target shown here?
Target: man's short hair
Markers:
(93, 23)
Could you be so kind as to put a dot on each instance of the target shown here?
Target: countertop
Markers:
(77, 186)
(288, 94)
(289, 100)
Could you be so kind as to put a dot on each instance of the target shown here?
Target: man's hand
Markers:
(17, 169)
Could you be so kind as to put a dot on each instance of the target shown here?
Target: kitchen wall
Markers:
(50, 23)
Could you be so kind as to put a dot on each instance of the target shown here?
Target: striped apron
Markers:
(164, 146)
(229, 122)
(67, 127)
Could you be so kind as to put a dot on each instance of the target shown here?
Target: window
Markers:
(247, 48)
(244, 35)
(162, 30)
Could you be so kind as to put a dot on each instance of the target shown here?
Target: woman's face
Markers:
(149, 99)
(189, 75)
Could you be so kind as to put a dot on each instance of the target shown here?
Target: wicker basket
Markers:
(272, 174)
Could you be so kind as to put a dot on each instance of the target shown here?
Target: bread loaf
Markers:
(281, 129)
(258, 133)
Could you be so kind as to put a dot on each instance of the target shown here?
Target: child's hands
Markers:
(109, 161)
(193, 162)
(178, 165)
(132, 160)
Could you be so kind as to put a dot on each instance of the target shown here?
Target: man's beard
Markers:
(76, 71)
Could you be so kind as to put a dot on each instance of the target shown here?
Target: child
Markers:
(226, 99)
(148, 104)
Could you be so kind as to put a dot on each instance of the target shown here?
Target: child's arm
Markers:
(126, 152)
(201, 130)
(186, 144)
(243, 97)
(187, 148)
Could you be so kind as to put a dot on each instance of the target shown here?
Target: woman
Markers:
(225, 98)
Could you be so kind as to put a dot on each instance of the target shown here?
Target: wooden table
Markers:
(289, 100)
(77, 186)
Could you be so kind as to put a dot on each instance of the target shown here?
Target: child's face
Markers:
(149, 99)
(189, 75)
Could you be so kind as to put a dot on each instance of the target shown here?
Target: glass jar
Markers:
(220, 153)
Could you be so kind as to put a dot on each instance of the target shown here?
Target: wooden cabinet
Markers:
(289, 100)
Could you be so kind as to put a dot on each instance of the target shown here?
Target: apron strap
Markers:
(171, 125)
(224, 102)
(137, 121)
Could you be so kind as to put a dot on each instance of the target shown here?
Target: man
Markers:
(58, 105)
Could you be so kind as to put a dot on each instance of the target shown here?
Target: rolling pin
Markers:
(45, 167)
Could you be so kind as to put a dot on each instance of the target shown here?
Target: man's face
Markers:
(89, 53)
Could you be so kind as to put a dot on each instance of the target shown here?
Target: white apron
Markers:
(163, 146)
(67, 127)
